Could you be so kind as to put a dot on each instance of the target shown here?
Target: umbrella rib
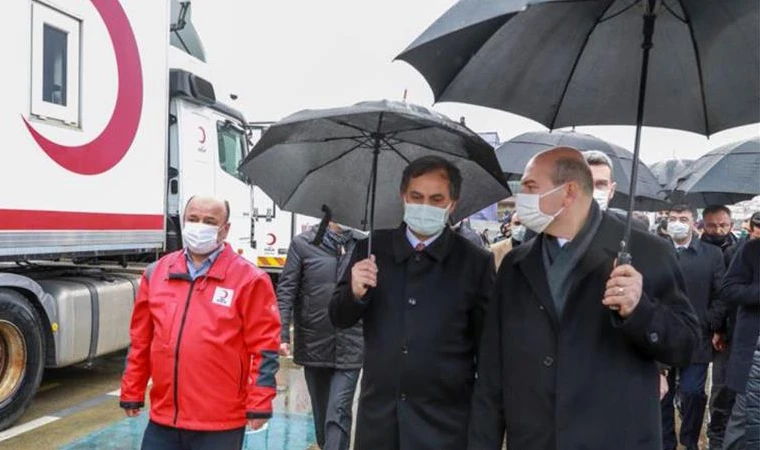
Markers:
(670, 10)
(575, 65)
(398, 152)
(321, 166)
(698, 59)
(604, 19)
(346, 124)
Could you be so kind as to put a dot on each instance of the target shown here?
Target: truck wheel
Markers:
(21, 355)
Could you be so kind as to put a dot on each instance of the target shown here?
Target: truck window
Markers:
(231, 148)
(55, 65)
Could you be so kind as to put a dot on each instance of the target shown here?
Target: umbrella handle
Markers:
(623, 257)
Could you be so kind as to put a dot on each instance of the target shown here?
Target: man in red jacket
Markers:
(205, 328)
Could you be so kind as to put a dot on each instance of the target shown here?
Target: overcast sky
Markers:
(281, 56)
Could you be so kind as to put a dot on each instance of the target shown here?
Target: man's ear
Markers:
(224, 230)
(613, 187)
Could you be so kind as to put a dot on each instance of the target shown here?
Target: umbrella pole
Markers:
(624, 257)
(373, 192)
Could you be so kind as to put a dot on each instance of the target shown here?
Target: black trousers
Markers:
(332, 395)
(721, 401)
(691, 390)
(160, 437)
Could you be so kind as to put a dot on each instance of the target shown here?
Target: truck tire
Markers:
(22, 355)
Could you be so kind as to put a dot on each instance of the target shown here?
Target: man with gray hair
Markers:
(569, 349)
(602, 172)
(604, 185)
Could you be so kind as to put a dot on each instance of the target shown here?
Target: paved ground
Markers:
(77, 408)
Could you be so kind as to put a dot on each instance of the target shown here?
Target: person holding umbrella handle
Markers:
(421, 296)
(572, 338)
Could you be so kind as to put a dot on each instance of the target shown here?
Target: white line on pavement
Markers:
(115, 393)
(23, 428)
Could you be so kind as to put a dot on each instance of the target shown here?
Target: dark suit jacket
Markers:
(588, 379)
(703, 268)
(741, 287)
(421, 325)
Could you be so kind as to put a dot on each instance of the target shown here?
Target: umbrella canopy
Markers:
(726, 175)
(514, 154)
(668, 171)
(579, 63)
(328, 157)
(566, 63)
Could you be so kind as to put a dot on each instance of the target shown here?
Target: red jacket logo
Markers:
(107, 149)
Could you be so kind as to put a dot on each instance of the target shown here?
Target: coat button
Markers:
(654, 337)
(405, 349)
(412, 301)
(403, 397)
(541, 307)
(548, 361)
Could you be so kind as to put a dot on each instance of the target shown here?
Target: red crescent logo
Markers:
(105, 151)
(202, 140)
(224, 295)
(272, 239)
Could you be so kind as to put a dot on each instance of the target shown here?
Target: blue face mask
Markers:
(425, 220)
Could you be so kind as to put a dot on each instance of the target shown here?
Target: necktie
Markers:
(419, 247)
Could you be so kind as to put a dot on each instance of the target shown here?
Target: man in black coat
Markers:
(718, 232)
(331, 358)
(741, 287)
(422, 297)
(702, 267)
(569, 349)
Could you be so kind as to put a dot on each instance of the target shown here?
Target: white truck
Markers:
(111, 124)
(273, 229)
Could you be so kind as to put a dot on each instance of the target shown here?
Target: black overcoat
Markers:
(587, 380)
(421, 325)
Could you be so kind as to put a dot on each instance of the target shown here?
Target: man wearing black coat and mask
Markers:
(569, 350)
(718, 232)
(703, 268)
(422, 297)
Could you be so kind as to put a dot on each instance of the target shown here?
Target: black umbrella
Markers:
(726, 175)
(593, 62)
(351, 159)
(667, 171)
(514, 155)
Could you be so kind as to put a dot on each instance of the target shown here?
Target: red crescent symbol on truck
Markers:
(105, 151)
(202, 140)
(272, 239)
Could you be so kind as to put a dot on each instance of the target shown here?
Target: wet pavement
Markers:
(77, 408)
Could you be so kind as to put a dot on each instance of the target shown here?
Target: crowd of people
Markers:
(543, 339)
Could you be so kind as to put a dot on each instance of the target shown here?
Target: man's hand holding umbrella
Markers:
(363, 276)
(623, 290)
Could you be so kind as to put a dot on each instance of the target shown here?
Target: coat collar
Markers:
(438, 250)
(218, 270)
(529, 258)
(695, 245)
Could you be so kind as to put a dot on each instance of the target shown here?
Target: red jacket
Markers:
(209, 345)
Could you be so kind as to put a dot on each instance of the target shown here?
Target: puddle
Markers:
(285, 432)
(291, 428)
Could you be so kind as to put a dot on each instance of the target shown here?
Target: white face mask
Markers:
(678, 230)
(529, 210)
(518, 233)
(602, 197)
(425, 220)
(200, 238)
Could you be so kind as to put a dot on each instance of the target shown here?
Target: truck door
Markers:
(231, 184)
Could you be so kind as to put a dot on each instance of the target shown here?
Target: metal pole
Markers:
(624, 257)
(373, 189)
